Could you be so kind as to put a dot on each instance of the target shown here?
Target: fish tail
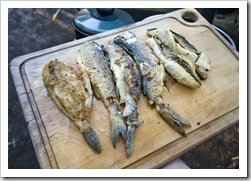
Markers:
(89, 134)
(118, 125)
(172, 118)
(130, 135)
(130, 139)
(92, 139)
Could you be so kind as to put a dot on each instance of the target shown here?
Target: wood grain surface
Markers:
(210, 109)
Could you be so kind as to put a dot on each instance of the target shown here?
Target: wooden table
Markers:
(211, 109)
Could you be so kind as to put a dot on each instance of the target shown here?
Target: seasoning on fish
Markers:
(128, 86)
(179, 67)
(180, 45)
(92, 61)
(73, 96)
(153, 75)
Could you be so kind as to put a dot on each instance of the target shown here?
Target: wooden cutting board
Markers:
(211, 109)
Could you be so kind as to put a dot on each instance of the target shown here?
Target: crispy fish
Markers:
(153, 75)
(128, 86)
(73, 95)
(92, 61)
(180, 45)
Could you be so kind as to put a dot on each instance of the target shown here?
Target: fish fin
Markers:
(130, 136)
(92, 140)
(130, 140)
(117, 126)
(173, 119)
(179, 118)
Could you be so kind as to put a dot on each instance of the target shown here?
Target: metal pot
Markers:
(94, 21)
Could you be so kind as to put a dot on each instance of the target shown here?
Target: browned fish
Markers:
(92, 61)
(153, 75)
(128, 86)
(73, 95)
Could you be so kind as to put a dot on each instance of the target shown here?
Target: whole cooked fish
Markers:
(180, 45)
(128, 86)
(92, 61)
(73, 95)
(153, 75)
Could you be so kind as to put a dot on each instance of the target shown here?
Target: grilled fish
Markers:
(92, 61)
(128, 86)
(73, 95)
(153, 75)
(180, 45)
(179, 67)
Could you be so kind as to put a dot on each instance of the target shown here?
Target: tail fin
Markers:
(130, 139)
(173, 119)
(117, 123)
(130, 136)
(92, 139)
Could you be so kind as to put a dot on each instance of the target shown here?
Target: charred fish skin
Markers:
(71, 95)
(128, 85)
(151, 69)
(127, 77)
(153, 75)
(180, 68)
(92, 61)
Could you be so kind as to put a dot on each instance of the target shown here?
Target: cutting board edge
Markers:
(162, 156)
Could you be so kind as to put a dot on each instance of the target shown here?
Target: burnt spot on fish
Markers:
(51, 69)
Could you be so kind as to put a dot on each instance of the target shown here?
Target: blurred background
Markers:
(31, 30)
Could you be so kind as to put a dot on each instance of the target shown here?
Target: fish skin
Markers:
(179, 67)
(128, 84)
(203, 65)
(92, 61)
(180, 45)
(73, 97)
(202, 62)
(166, 38)
(153, 75)
(184, 43)
(151, 69)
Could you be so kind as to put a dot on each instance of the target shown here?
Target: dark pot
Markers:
(93, 21)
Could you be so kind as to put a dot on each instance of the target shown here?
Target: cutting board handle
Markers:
(191, 17)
